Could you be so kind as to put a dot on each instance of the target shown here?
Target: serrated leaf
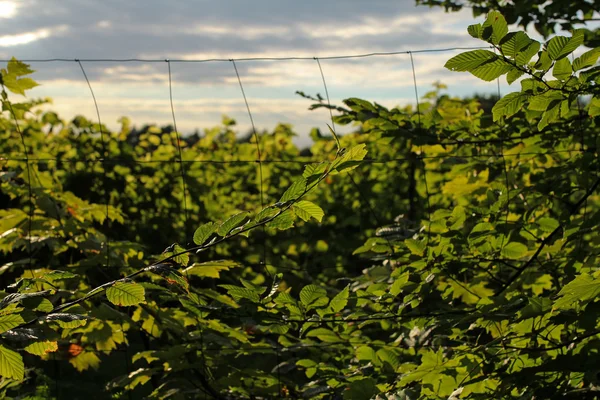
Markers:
(311, 294)
(182, 257)
(283, 221)
(340, 300)
(470, 60)
(238, 292)
(509, 105)
(232, 223)
(365, 353)
(203, 232)
(211, 269)
(416, 247)
(497, 24)
(11, 364)
(10, 321)
(297, 189)
(387, 356)
(324, 335)
(547, 224)
(561, 46)
(361, 389)
(351, 158)
(475, 30)
(84, 361)
(594, 107)
(266, 213)
(126, 294)
(587, 59)
(581, 289)
(307, 210)
(41, 348)
(57, 275)
(514, 250)
(513, 43)
(562, 69)
(491, 70)
(513, 75)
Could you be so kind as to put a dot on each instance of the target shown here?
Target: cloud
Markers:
(192, 30)
(28, 37)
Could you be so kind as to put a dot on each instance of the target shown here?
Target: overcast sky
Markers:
(198, 29)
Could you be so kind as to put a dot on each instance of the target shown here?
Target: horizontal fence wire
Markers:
(279, 351)
(290, 58)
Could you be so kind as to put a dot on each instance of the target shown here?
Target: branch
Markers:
(527, 264)
(100, 289)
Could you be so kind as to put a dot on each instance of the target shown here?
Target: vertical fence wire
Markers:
(105, 157)
(414, 75)
(179, 155)
(364, 200)
(29, 189)
(262, 202)
(504, 170)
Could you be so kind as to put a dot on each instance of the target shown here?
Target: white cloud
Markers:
(8, 9)
(28, 37)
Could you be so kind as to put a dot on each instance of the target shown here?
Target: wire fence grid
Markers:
(105, 160)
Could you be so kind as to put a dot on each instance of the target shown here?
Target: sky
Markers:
(232, 29)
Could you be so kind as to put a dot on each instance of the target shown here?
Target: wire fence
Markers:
(182, 164)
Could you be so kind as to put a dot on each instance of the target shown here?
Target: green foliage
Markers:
(482, 282)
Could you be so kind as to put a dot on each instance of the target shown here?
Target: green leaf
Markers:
(594, 107)
(11, 364)
(362, 389)
(587, 59)
(311, 294)
(513, 43)
(211, 269)
(387, 356)
(324, 334)
(41, 348)
(416, 247)
(526, 54)
(126, 294)
(513, 75)
(491, 70)
(470, 60)
(283, 221)
(340, 300)
(581, 289)
(562, 69)
(306, 210)
(481, 230)
(514, 250)
(238, 292)
(547, 224)
(232, 223)
(266, 213)
(183, 258)
(58, 275)
(494, 27)
(544, 62)
(351, 158)
(365, 353)
(203, 232)
(297, 189)
(475, 30)
(18, 68)
(545, 101)
(509, 105)
(9, 321)
(561, 46)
